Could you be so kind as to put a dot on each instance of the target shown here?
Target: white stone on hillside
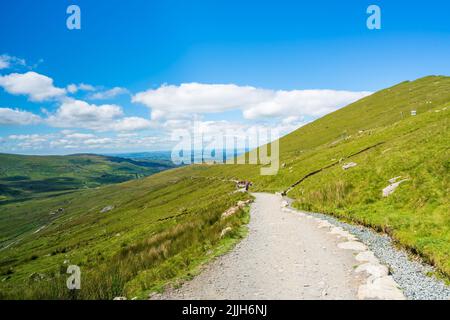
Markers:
(349, 165)
(391, 188)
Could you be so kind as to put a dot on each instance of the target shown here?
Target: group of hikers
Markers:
(245, 184)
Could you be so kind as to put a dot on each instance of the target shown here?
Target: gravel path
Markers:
(285, 256)
(410, 275)
(291, 254)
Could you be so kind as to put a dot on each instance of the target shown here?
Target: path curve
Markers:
(286, 255)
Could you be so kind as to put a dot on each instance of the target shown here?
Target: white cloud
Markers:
(80, 114)
(4, 63)
(86, 87)
(130, 124)
(80, 136)
(296, 103)
(17, 117)
(36, 86)
(127, 135)
(107, 117)
(175, 102)
(109, 94)
(7, 61)
(29, 141)
(98, 141)
(28, 137)
(230, 128)
(73, 88)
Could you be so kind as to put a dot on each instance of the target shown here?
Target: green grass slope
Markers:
(24, 177)
(157, 229)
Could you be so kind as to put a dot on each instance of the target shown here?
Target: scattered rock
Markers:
(342, 233)
(374, 269)
(352, 245)
(242, 204)
(391, 188)
(325, 224)
(106, 209)
(233, 210)
(225, 231)
(349, 165)
(393, 180)
(120, 298)
(230, 212)
(367, 256)
(37, 276)
(380, 288)
(39, 229)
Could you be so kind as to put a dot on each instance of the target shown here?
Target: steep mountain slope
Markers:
(377, 133)
(380, 135)
(338, 135)
(23, 177)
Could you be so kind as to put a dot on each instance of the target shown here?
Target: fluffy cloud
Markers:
(176, 101)
(29, 141)
(172, 102)
(109, 94)
(107, 117)
(80, 142)
(73, 88)
(77, 113)
(130, 124)
(79, 136)
(4, 63)
(36, 86)
(17, 117)
(98, 141)
(294, 103)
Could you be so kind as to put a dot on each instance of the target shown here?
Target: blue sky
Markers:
(229, 64)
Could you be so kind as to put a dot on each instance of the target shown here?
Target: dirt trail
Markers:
(285, 256)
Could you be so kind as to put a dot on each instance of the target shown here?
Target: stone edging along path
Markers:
(379, 284)
(392, 272)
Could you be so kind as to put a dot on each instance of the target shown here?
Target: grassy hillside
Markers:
(398, 144)
(156, 229)
(24, 177)
(163, 225)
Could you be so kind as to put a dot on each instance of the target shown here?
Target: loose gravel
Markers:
(412, 276)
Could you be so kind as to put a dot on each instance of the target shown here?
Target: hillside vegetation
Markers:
(132, 249)
(152, 230)
(379, 134)
(25, 177)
